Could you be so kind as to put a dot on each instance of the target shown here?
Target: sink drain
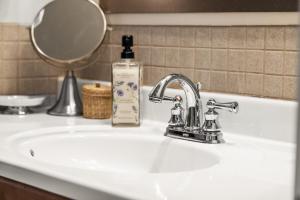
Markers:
(31, 152)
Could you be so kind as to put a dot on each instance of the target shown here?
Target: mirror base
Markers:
(69, 102)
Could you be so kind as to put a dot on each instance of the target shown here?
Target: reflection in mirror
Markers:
(67, 33)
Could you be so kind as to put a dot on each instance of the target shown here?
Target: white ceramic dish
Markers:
(21, 101)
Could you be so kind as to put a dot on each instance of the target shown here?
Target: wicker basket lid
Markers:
(97, 90)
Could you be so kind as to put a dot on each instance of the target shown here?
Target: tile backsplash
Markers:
(21, 70)
(258, 61)
(249, 60)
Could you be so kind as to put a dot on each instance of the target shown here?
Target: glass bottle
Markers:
(126, 84)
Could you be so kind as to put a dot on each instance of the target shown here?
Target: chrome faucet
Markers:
(191, 126)
(194, 110)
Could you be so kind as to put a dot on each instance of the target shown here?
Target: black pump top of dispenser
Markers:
(127, 43)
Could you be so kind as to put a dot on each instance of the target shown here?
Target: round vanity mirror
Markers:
(67, 34)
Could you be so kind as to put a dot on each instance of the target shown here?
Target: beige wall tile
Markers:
(254, 61)
(106, 39)
(156, 74)
(104, 53)
(115, 53)
(158, 36)
(291, 38)
(274, 62)
(274, 38)
(291, 63)
(187, 36)
(255, 37)
(33, 86)
(1, 32)
(118, 31)
(172, 36)
(203, 36)
(147, 75)
(236, 82)
(1, 49)
(144, 36)
(9, 86)
(89, 73)
(172, 57)
(116, 34)
(290, 87)
(237, 37)
(219, 59)
(41, 86)
(219, 37)
(48, 69)
(220, 69)
(158, 56)
(186, 57)
(218, 81)
(26, 51)
(52, 86)
(236, 60)
(10, 50)
(187, 72)
(58, 72)
(202, 58)
(10, 32)
(9, 69)
(254, 84)
(26, 69)
(133, 30)
(203, 76)
(103, 71)
(24, 33)
(2, 86)
(144, 55)
(273, 86)
(98, 71)
(31, 68)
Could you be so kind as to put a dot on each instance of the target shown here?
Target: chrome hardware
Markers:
(193, 115)
(230, 106)
(17, 110)
(211, 129)
(177, 113)
(69, 102)
(191, 126)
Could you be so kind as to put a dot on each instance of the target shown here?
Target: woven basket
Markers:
(97, 100)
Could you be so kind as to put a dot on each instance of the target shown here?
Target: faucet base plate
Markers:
(195, 135)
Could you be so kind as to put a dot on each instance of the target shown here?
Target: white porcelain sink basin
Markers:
(89, 148)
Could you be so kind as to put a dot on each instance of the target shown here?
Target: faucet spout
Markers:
(193, 100)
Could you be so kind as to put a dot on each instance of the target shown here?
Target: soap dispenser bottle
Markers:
(126, 83)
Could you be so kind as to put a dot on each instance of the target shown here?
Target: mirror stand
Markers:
(69, 102)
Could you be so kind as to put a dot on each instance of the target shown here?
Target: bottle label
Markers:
(126, 87)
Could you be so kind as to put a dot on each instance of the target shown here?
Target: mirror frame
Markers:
(71, 64)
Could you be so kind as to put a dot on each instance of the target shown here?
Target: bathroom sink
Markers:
(113, 150)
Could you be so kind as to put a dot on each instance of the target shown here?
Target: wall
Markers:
(21, 70)
(254, 60)
(20, 11)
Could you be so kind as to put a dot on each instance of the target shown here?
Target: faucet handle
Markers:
(198, 86)
(211, 128)
(164, 98)
(177, 113)
(229, 106)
